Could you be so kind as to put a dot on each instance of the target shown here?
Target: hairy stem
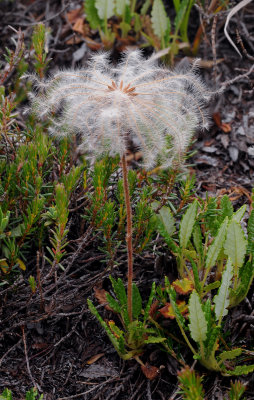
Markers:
(128, 235)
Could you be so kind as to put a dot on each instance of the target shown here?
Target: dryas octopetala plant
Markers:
(111, 106)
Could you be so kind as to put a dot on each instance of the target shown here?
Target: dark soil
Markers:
(47, 340)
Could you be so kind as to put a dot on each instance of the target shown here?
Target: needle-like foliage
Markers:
(136, 101)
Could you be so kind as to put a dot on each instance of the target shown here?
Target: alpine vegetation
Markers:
(111, 106)
(136, 101)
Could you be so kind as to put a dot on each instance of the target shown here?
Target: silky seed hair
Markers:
(136, 101)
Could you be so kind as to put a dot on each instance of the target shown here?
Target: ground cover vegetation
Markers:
(101, 216)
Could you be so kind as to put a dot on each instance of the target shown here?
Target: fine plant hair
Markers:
(137, 100)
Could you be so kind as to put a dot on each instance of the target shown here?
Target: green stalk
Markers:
(133, 6)
(128, 235)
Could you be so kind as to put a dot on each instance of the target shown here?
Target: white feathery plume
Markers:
(137, 100)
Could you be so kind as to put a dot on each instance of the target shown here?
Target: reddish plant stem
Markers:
(128, 235)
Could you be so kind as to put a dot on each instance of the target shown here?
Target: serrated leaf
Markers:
(241, 370)
(92, 14)
(154, 339)
(136, 302)
(226, 208)
(197, 239)
(119, 290)
(121, 6)
(235, 244)
(168, 312)
(105, 8)
(221, 300)
(238, 215)
(211, 286)
(230, 355)
(211, 341)
(251, 233)
(183, 286)
(160, 21)
(163, 232)
(215, 247)
(187, 224)
(246, 277)
(112, 338)
(167, 219)
(198, 323)
(196, 276)
(113, 303)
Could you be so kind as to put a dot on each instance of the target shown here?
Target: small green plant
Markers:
(190, 385)
(230, 255)
(209, 237)
(32, 394)
(157, 29)
(163, 29)
(236, 391)
(129, 340)
(99, 12)
(39, 42)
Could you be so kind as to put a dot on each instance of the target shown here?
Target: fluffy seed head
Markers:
(109, 107)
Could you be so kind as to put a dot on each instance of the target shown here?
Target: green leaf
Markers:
(251, 233)
(180, 14)
(211, 341)
(195, 275)
(215, 247)
(113, 303)
(235, 244)
(145, 7)
(112, 338)
(230, 355)
(189, 254)
(119, 290)
(221, 300)
(197, 240)
(121, 296)
(246, 277)
(211, 286)
(6, 395)
(172, 296)
(149, 303)
(226, 208)
(187, 224)
(241, 370)
(136, 302)
(238, 215)
(167, 219)
(154, 339)
(164, 233)
(121, 6)
(160, 21)
(105, 8)
(198, 323)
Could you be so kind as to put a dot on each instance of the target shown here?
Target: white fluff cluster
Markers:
(137, 100)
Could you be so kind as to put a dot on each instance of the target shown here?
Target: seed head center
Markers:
(124, 89)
